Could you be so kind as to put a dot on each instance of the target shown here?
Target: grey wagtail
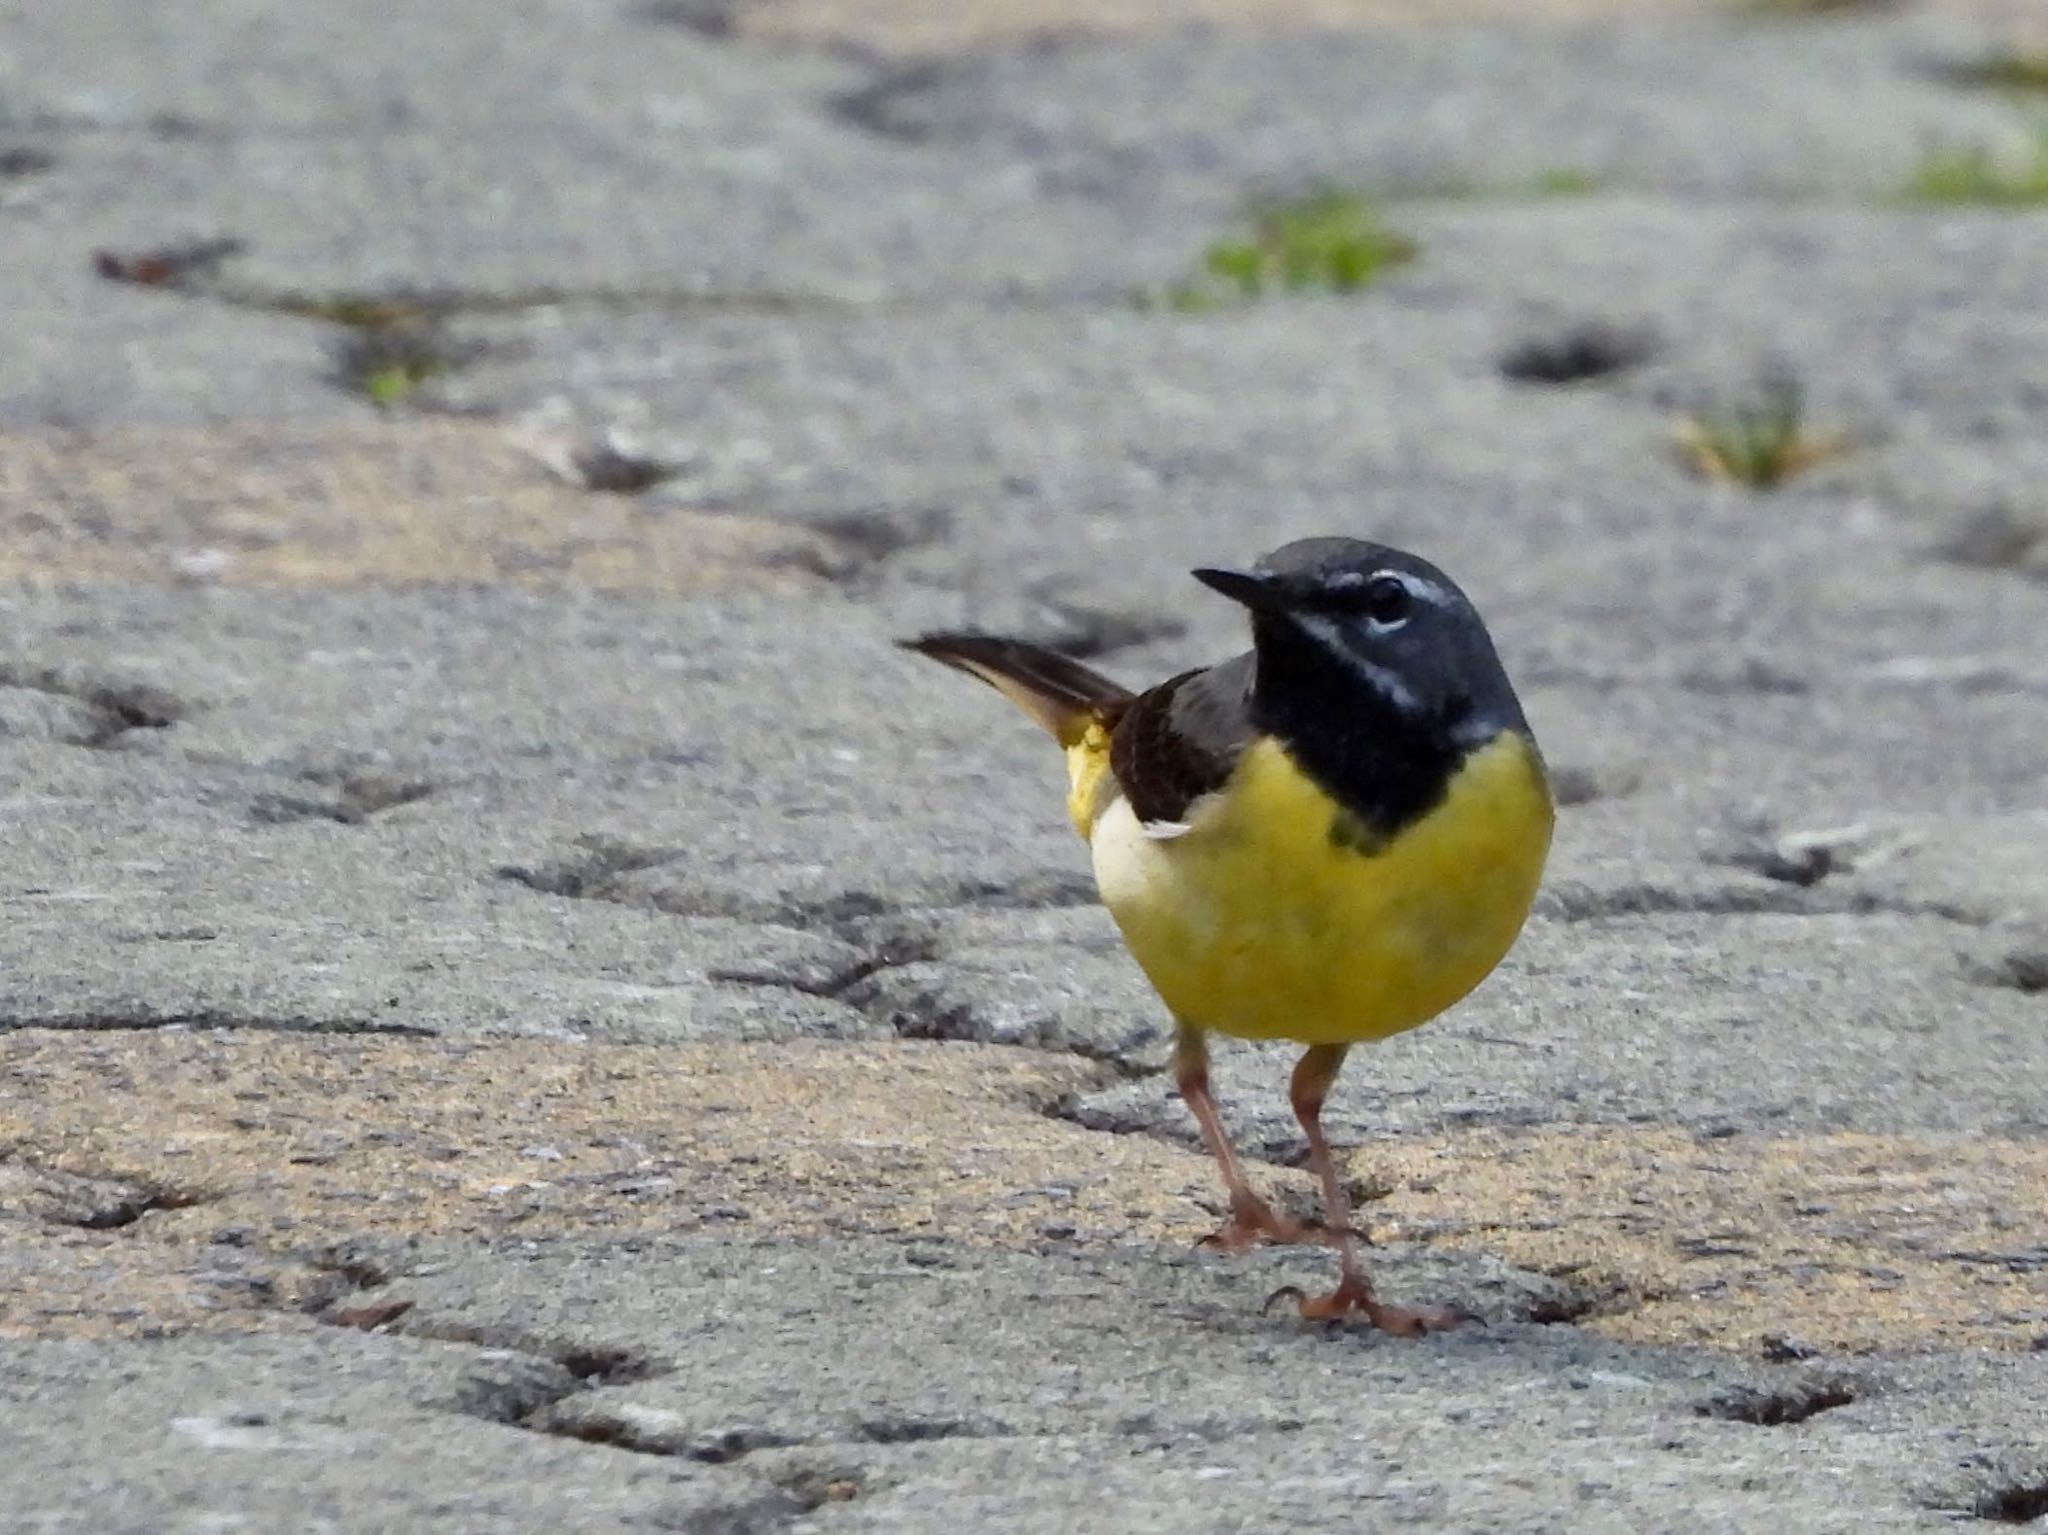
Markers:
(1330, 839)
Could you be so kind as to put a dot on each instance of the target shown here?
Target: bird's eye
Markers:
(1386, 599)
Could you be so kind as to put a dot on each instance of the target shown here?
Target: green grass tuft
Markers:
(1975, 173)
(1566, 181)
(388, 366)
(1333, 242)
(390, 384)
(1760, 443)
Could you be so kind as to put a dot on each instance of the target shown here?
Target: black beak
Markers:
(1257, 591)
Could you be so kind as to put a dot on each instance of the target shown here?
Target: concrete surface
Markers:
(520, 1010)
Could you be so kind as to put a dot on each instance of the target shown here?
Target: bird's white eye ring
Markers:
(1387, 600)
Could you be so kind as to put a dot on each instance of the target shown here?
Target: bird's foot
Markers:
(1353, 1297)
(1254, 1223)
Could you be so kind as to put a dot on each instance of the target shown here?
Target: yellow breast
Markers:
(1266, 919)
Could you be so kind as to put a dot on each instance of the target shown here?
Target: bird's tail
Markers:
(1064, 696)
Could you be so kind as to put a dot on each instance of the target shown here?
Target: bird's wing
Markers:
(1181, 741)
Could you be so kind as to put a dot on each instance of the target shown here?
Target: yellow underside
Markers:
(1256, 922)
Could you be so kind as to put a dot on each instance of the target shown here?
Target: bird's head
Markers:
(1351, 629)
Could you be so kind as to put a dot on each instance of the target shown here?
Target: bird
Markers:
(1329, 839)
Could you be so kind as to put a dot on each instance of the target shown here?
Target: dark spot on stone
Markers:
(108, 1204)
(1776, 1408)
(1574, 783)
(591, 875)
(879, 107)
(1784, 1350)
(107, 708)
(867, 537)
(1800, 866)
(706, 18)
(2023, 969)
(1588, 350)
(589, 1364)
(1723, 1245)
(2021, 1503)
(729, 1444)
(1039, 888)
(168, 264)
(356, 798)
(1753, 674)
(1558, 1308)
(352, 1259)
(909, 1429)
(2004, 535)
(606, 1364)
(25, 160)
(181, 127)
(616, 470)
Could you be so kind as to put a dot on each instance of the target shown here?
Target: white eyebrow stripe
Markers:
(1418, 586)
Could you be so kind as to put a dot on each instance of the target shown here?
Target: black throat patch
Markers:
(1382, 780)
(1386, 763)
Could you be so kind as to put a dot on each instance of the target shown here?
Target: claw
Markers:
(1352, 1298)
(1293, 1292)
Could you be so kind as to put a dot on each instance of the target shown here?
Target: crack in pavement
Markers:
(145, 1020)
(899, 975)
(90, 1201)
(2021, 1502)
(600, 873)
(357, 799)
(841, 980)
(588, 1364)
(1781, 1406)
(2021, 966)
(1573, 901)
(648, 1430)
(561, 1373)
(114, 707)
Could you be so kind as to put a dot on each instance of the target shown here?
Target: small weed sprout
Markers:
(1332, 242)
(1760, 443)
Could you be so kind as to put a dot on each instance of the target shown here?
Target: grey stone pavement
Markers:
(519, 1010)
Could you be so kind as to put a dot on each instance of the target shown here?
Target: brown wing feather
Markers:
(1182, 739)
(1062, 695)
